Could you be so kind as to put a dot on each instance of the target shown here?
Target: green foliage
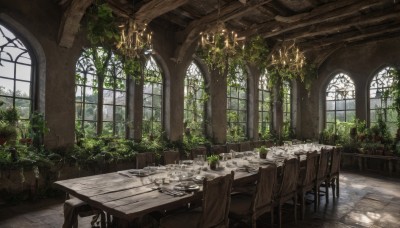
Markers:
(102, 26)
(191, 142)
(263, 150)
(394, 92)
(7, 131)
(256, 52)
(213, 159)
(10, 116)
(235, 132)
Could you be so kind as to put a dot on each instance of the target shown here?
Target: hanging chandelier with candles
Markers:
(135, 38)
(218, 43)
(289, 57)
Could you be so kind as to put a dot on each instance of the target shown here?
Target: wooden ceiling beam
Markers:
(70, 22)
(156, 8)
(328, 12)
(350, 38)
(365, 20)
(228, 12)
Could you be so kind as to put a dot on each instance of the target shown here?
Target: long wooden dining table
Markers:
(127, 197)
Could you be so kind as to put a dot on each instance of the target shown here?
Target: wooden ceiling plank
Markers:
(70, 22)
(364, 20)
(157, 8)
(273, 29)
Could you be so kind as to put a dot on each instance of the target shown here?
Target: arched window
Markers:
(237, 106)
(100, 93)
(264, 105)
(287, 108)
(195, 97)
(152, 99)
(340, 100)
(380, 103)
(16, 74)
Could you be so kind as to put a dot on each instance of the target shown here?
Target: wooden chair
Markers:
(74, 207)
(198, 151)
(333, 174)
(307, 180)
(145, 159)
(218, 149)
(171, 157)
(214, 210)
(322, 173)
(258, 144)
(287, 187)
(253, 206)
(245, 146)
(232, 146)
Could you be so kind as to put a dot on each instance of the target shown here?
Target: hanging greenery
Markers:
(394, 92)
(102, 26)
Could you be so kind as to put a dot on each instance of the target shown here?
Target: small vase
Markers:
(263, 155)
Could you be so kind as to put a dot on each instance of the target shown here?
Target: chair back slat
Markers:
(232, 146)
(311, 168)
(335, 162)
(171, 157)
(218, 149)
(245, 146)
(265, 187)
(145, 159)
(216, 201)
(198, 151)
(289, 176)
(323, 163)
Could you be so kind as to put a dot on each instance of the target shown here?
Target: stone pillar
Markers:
(218, 112)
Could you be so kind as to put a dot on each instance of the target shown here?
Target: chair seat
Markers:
(184, 219)
(80, 207)
(240, 205)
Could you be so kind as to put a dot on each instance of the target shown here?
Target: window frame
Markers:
(264, 101)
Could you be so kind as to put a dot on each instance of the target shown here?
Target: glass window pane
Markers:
(90, 128)
(120, 98)
(107, 113)
(350, 116)
(350, 104)
(91, 95)
(108, 97)
(330, 105)
(78, 111)
(90, 112)
(6, 68)
(120, 113)
(375, 103)
(341, 116)
(7, 102)
(330, 116)
(23, 72)
(6, 87)
(107, 128)
(340, 105)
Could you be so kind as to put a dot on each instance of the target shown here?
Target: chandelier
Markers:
(218, 39)
(135, 39)
(289, 57)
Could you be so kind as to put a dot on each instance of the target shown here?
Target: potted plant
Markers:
(263, 151)
(213, 161)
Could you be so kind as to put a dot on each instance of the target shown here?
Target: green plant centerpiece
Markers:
(263, 151)
(213, 161)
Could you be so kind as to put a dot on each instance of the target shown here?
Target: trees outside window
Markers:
(340, 101)
(237, 106)
(195, 98)
(152, 99)
(100, 99)
(380, 101)
(264, 106)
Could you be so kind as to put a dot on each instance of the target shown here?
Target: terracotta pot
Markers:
(263, 155)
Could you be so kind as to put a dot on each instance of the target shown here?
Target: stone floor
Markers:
(365, 201)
